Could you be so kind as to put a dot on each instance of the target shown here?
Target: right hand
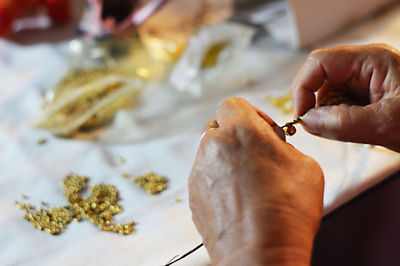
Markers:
(372, 74)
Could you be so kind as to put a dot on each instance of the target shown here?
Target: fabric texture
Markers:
(161, 135)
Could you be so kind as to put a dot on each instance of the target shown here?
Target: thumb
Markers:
(346, 123)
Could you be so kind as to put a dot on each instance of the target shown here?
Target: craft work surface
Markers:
(161, 135)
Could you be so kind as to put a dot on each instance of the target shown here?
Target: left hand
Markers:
(255, 199)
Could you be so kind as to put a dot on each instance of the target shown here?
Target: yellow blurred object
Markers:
(89, 106)
(283, 103)
(165, 49)
(107, 75)
(210, 59)
(166, 33)
(143, 72)
(113, 74)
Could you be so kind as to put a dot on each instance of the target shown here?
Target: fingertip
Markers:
(302, 102)
(341, 122)
(312, 121)
(279, 132)
(239, 110)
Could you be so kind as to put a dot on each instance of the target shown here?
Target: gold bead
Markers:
(99, 208)
(290, 130)
(120, 160)
(42, 141)
(152, 182)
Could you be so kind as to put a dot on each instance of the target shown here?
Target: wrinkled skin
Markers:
(372, 74)
(255, 199)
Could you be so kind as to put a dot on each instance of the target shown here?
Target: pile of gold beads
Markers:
(151, 182)
(99, 208)
(336, 97)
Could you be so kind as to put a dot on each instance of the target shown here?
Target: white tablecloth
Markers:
(160, 136)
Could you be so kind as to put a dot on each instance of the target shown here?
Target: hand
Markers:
(255, 199)
(371, 74)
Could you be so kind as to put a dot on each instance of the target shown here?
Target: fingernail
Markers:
(312, 121)
(279, 131)
(303, 117)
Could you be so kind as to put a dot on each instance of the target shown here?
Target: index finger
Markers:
(309, 79)
(333, 65)
(236, 111)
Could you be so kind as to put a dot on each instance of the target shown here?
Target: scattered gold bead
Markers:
(42, 141)
(178, 200)
(120, 160)
(152, 182)
(51, 220)
(125, 175)
(25, 196)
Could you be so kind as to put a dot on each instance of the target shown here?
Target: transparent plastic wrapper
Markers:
(90, 105)
(107, 74)
(209, 53)
(104, 76)
(166, 33)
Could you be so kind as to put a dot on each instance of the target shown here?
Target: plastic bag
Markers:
(90, 105)
(209, 53)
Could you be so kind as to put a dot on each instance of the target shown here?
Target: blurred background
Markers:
(85, 82)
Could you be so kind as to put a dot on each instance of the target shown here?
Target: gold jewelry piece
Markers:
(336, 97)
(289, 127)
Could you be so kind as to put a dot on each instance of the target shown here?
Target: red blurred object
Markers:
(10, 10)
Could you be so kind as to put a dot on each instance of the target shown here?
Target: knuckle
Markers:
(388, 54)
(211, 146)
(387, 118)
(343, 118)
(309, 162)
(246, 131)
(312, 165)
(342, 125)
(237, 134)
(316, 54)
(383, 47)
(232, 101)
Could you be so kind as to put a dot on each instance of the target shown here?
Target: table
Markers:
(161, 135)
